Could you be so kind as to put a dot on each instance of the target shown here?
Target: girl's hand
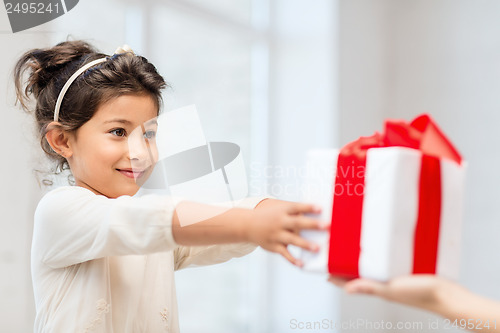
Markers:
(276, 224)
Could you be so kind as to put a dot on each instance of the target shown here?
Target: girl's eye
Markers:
(150, 135)
(118, 132)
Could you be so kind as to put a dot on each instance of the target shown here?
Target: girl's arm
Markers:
(73, 225)
(273, 225)
(434, 294)
(188, 256)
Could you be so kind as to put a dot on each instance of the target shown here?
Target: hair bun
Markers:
(45, 64)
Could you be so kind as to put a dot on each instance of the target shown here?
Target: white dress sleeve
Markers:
(74, 225)
(185, 256)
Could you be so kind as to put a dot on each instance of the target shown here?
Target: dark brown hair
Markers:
(49, 69)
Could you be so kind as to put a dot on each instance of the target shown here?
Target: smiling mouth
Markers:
(131, 173)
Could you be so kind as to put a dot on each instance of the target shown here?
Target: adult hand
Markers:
(463, 308)
(420, 290)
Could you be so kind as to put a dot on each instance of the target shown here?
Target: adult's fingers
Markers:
(339, 282)
(365, 286)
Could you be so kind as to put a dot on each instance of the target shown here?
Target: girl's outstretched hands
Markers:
(429, 292)
(273, 224)
(277, 224)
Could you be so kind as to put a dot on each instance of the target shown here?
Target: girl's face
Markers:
(115, 151)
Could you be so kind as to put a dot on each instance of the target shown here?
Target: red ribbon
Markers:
(421, 134)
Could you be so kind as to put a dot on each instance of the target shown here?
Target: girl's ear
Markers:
(58, 139)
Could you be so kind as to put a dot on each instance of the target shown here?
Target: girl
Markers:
(103, 260)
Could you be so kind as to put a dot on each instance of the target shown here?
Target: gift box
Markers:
(394, 201)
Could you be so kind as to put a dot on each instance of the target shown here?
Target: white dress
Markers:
(107, 265)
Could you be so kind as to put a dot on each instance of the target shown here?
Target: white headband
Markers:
(124, 49)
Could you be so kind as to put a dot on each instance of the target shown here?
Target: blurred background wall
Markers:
(280, 77)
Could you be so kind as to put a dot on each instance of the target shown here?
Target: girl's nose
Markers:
(139, 149)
